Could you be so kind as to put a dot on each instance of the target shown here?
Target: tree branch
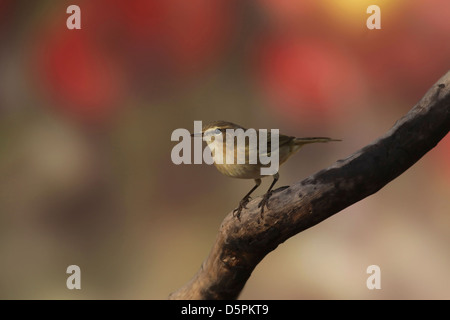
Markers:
(241, 245)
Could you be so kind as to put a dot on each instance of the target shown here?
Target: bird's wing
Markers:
(282, 141)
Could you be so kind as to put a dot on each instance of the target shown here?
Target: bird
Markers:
(216, 133)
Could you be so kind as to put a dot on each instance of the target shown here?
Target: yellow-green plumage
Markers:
(288, 145)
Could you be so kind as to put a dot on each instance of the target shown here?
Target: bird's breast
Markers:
(241, 171)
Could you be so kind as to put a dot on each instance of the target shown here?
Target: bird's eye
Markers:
(217, 131)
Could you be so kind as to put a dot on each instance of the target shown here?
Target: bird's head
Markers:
(216, 128)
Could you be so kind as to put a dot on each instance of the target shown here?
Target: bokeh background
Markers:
(86, 118)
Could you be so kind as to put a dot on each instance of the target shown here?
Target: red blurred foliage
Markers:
(141, 45)
(287, 13)
(5, 10)
(82, 78)
(405, 65)
(317, 77)
(4, 6)
(141, 20)
(198, 31)
(307, 77)
(175, 40)
(410, 53)
(433, 14)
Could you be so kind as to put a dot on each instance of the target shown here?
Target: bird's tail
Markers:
(302, 141)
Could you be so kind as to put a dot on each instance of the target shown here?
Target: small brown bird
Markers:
(217, 136)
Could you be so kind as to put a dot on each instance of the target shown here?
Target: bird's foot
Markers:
(264, 202)
(242, 205)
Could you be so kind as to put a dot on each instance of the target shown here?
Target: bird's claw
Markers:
(264, 202)
(242, 205)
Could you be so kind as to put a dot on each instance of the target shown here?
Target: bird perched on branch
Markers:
(240, 160)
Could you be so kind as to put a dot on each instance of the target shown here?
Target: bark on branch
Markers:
(241, 245)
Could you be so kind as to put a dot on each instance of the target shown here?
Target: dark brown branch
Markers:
(241, 245)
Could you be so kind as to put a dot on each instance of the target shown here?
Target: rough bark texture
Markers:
(241, 245)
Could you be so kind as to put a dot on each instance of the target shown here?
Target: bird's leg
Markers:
(265, 199)
(245, 200)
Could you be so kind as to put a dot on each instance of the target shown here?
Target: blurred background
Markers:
(86, 118)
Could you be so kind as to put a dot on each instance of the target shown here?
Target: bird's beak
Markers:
(197, 134)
